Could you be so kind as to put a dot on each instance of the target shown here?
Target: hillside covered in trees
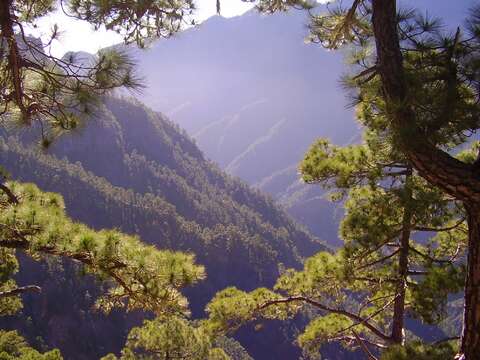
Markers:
(245, 89)
(132, 169)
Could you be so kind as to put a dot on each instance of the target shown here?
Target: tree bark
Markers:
(471, 324)
(398, 322)
(14, 59)
(455, 177)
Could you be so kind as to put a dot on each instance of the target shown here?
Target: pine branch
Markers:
(321, 306)
(380, 260)
(351, 338)
(448, 228)
(445, 340)
(346, 24)
(366, 72)
(416, 272)
(364, 347)
(439, 261)
(20, 290)
(12, 199)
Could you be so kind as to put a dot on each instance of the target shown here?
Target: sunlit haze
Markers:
(78, 35)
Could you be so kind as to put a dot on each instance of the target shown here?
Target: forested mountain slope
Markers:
(133, 169)
(254, 96)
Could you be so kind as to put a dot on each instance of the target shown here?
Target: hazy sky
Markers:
(78, 35)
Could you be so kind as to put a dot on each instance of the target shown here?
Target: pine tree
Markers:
(13, 346)
(170, 338)
(428, 97)
(364, 291)
(54, 95)
(141, 277)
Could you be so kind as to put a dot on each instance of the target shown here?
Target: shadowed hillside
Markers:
(132, 169)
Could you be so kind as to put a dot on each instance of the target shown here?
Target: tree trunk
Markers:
(398, 322)
(459, 179)
(471, 325)
(7, 37)
(5, 15)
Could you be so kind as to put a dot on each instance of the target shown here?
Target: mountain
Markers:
(131, 168)
(254, 96)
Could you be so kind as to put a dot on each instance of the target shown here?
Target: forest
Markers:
(297, 181)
